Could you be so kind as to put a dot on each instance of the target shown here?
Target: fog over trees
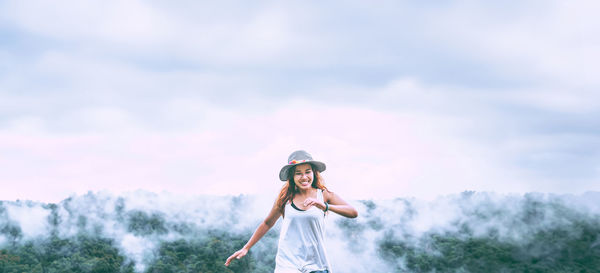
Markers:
(147, 232)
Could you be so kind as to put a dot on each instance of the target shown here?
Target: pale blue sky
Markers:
(193, 98)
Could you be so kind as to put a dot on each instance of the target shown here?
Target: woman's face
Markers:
(303, 176)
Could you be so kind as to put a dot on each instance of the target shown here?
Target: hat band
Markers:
(296, 161)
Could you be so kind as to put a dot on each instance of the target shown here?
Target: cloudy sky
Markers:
(398, 98)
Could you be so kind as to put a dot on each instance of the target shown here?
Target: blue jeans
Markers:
(320, 271)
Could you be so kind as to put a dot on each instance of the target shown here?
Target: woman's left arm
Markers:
(338, 205)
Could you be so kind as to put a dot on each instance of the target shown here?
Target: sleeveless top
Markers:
(301, 240)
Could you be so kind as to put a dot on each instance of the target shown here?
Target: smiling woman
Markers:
(303, 203)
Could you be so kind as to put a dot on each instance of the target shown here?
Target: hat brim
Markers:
(317, 165)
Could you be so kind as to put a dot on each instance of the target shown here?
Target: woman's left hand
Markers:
(314, 202)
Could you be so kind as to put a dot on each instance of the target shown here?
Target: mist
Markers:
(150, 232)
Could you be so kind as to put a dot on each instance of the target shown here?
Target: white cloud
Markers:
(395, 154)
(557, 43)
(31, 218)
(203, 97)
(130, 23)
(561, 100)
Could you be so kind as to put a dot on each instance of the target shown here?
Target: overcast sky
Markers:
(399, 99)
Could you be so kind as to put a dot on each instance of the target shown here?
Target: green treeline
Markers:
(523, 234)
(552, 250)
(547, 237)
(208, 255)
(548, 251)
(99, 255)
(79, 254)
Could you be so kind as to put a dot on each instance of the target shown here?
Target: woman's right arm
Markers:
(259, 233)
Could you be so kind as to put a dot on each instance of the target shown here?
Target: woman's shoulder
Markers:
(327, 194)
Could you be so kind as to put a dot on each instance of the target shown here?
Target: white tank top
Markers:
(301, 240)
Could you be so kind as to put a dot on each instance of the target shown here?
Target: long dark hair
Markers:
(289, 189)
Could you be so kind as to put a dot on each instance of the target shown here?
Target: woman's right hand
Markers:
(238, 255)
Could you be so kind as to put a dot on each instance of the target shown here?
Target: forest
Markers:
(537, 233)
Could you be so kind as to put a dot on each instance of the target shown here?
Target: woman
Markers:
(303, 202)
